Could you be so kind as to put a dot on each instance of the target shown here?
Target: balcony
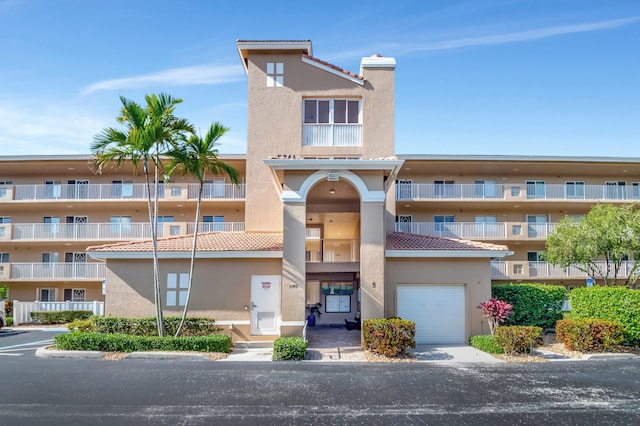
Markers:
(479, 231)
(332, 135)
(105, 231)
(332, 251)
(514, 191)
(125, 192)
(519, 270)
(59, 271)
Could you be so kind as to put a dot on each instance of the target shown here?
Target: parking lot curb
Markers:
(54, 353)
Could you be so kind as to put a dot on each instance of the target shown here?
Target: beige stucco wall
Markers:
(26, 291)
(472, 273)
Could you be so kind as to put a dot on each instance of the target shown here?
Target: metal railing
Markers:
(502, 270)
(104, 231)
(134, 191)
(473, 230)
(332, 135)
(453, 191)
(325, 250)
(58, 271)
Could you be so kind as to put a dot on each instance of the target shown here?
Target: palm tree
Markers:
(145, 138)
(197, 156)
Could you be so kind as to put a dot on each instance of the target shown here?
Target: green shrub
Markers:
(130, 343)
(518, 338)
(612, 303)
(537, 305)
(81, 326)
(388, 336)
(148, 326)
(59, 317)
(486, 343)
(589, 334)
(289, 348)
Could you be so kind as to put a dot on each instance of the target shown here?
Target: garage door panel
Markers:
(438, 311)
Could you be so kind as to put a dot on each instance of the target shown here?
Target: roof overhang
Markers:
(275, 254)
(448, 253)
(313, 164)
(245, 46)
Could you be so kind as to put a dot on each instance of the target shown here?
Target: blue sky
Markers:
(529, 77)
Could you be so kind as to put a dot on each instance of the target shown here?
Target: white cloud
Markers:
(205, 74)
(535, 34)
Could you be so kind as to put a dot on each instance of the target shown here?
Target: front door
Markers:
(265, 304)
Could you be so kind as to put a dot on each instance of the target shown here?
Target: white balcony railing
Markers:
(135, 191)
(218, 227)
(418, 191)
(504, 270)
(104, 231)
(451, 191)
(476, 231)
(324, 250)
(332, 135)
(463, 230)
(58, 271)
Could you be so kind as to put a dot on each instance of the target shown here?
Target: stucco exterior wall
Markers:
(472, 273)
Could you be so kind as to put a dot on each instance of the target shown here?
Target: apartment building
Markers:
(326, 213)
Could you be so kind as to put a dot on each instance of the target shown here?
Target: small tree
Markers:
(600, 244)
(496, 311)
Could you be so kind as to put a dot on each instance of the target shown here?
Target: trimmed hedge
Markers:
(59, 317)
(148, 326)
(388, 336)
(533, 304)
(619, 304)
(289, 349)
(128, 343)
(518, 338)
(81, 326)
(486, 343)
(589, 334)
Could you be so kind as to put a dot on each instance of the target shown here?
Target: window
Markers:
(535, 256)
(441, 220)
(615, 190)
(120, 224)
(5, 219)
(53, 188)
(174, 230)
(517, 269)
(212, 223)
(4, 257)
(46, 294)
(78, 189)
(214, 188)
(635, 189)
(275, 74)
(49, 257)
(176, 191)
(74, 295)
(121, 188)
(516, 229)
(537, 225)
(443, 188)
(331, 111)
(574, 189)
(52, 224)
(75, 257)
(485, 188)
(177, 286)
(3, 191)
(536, 189)
(404, 223)
(337, 303)
(515, 191)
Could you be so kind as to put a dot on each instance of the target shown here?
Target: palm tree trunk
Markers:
(153, 219)
(193, 257)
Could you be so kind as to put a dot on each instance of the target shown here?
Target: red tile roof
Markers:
(336, 68)
(406, 241)
(208, 242)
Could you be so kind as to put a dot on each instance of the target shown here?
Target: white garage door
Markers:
(437, 310)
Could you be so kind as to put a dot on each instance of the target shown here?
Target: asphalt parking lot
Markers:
(22, 342)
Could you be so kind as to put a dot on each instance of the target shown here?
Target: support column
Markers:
(372, 259)
(293, 269)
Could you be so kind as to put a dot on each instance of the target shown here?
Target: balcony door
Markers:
(537, 225)
(78, 226)
(615, 190)
(78, 189)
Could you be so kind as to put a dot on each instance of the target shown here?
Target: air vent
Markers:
(333, 177)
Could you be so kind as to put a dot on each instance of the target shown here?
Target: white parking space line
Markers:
(39, 343)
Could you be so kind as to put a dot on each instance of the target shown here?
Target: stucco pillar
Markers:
(293, 269)
(372, 260)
